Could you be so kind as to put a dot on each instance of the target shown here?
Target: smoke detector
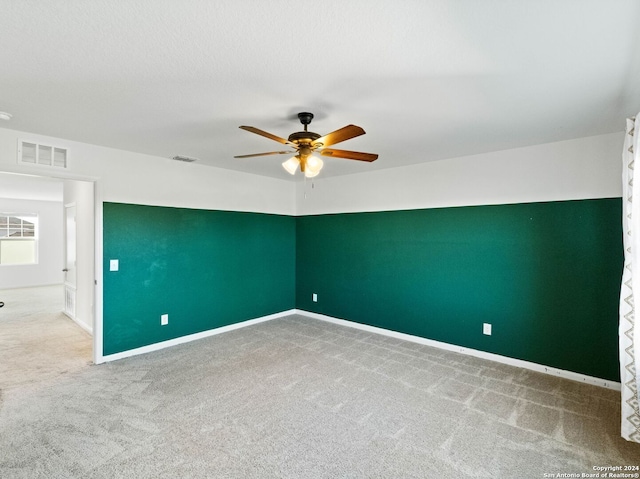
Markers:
(5, 116)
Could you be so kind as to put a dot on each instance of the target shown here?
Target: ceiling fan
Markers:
(304, 143)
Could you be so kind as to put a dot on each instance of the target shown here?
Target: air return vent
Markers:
(32, 153)
(186, 159)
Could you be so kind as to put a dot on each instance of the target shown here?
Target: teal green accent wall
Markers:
(545, 275)
(205, 269)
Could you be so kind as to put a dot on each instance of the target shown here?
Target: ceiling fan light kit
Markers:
(291, 165)
(313, 165)
(305, 143)
(310, 165)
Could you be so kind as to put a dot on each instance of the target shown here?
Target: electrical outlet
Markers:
(164, 319)
(314, 297)
(486, 329)
(113, 265)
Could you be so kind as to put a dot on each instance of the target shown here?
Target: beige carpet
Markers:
(290, 398)
(37, 341)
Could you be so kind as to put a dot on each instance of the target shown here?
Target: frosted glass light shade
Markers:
(314, 164)
(291, 165)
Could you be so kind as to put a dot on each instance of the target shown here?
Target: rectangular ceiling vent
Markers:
(186, 159)
(32, 153)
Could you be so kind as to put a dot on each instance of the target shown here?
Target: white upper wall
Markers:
(128, 177)
(30, 187)
(568, 170)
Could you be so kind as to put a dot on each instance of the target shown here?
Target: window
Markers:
(18, 237)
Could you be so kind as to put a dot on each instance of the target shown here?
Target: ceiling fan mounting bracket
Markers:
(305, 117)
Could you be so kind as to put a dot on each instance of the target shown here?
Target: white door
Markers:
(70, 261)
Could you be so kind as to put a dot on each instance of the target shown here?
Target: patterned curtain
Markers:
(629, 332)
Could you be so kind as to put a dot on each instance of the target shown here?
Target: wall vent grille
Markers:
(70, 301)
(33, 153)
(186, 159)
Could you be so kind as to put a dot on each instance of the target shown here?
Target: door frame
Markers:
(66, 256)
(97, 288)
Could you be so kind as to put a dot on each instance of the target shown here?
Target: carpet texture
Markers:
(290, 398)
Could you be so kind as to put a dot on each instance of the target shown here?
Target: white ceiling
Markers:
(427, 80)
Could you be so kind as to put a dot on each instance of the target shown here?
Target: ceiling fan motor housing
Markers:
(303, 137)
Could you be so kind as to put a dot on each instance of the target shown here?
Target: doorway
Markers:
(73, 250)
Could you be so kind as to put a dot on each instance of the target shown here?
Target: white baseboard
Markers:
(372, 329)
(468, 351)
(84, 326)
(194, 337)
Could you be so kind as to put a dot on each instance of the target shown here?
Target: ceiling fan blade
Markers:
(267, 153)
(350, 155)
(267, 135)
(345, 133)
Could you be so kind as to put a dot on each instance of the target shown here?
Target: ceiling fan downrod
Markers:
(304, 138)
(305, 118)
